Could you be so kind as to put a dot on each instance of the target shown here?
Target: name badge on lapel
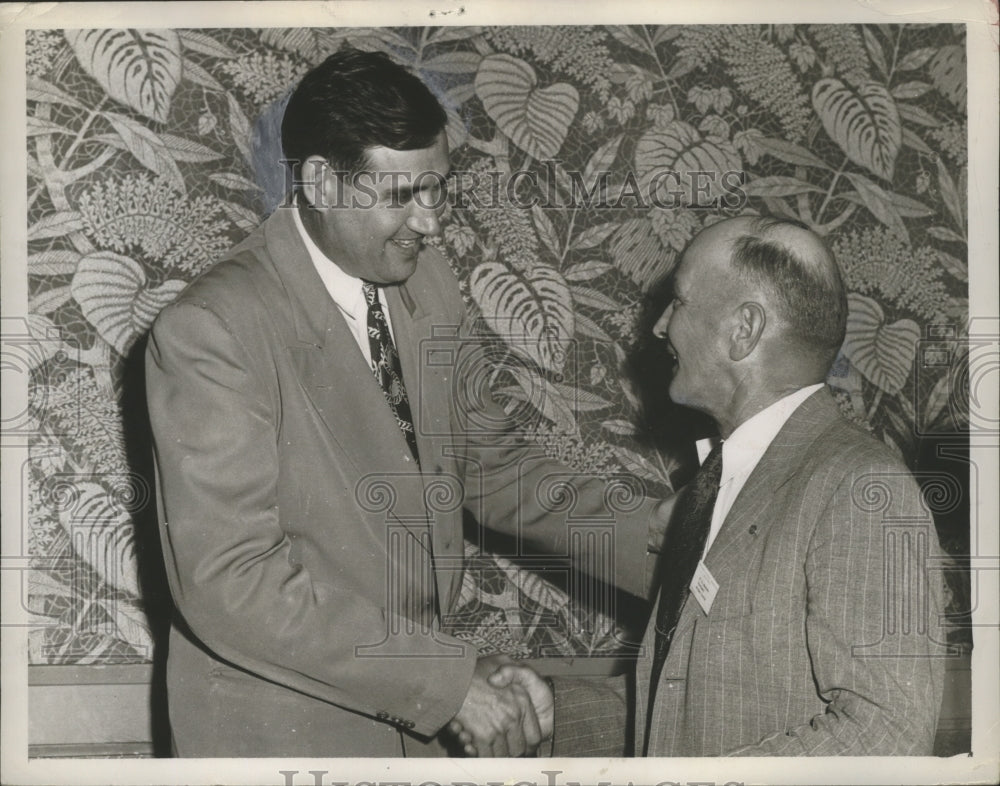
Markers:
(704, 587)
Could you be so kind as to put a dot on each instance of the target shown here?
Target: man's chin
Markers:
(399, 271)
(395, 264)
(676, 392)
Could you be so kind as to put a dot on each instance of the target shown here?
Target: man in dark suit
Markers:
(313, 455)
(796, 613)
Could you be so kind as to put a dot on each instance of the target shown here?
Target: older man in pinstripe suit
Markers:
(796, 614)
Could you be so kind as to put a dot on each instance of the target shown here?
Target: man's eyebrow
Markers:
(428, 182)
(406, 189)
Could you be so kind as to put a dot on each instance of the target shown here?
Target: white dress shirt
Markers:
(345, 291)
(744, 449)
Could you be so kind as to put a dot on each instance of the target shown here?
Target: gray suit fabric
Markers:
(824, 637)
(310, 563)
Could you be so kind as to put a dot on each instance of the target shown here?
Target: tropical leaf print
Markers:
(532, 311)
(536, 119)
(139, 68)
(114, 294)
(882, 352)
(100, 531)
(862, 120)
(149, 153)
(667, 160)
(947, 70)
(146, 145)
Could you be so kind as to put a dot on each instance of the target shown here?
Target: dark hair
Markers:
(354, 101)
(808, 292)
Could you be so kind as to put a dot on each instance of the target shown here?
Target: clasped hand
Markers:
(508, 710)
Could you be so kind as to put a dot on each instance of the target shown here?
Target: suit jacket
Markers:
(823, 637)
(310, 561)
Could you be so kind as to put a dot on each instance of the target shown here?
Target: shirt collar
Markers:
(343, 288)
(751, 439)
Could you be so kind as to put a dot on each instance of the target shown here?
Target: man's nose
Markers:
(424, 219)
(660, 328)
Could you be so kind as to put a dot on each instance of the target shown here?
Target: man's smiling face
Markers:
(373, 227)
(696, 323)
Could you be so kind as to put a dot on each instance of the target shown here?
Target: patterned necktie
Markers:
(386, 368)
(682, 550)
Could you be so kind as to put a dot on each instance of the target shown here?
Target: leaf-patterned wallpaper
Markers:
(150, 152)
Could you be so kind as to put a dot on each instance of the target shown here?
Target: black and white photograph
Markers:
(552, 395)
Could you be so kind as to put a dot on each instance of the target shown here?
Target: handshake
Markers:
(508, 710)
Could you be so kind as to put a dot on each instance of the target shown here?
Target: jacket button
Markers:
(753, 529)
(382, 715)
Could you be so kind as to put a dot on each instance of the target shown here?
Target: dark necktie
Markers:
(682, 550)
(386, 368)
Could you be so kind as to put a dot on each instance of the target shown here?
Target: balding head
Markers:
(759, 311)
(795, 269)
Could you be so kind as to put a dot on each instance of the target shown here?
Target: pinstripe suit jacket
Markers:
(823, 638)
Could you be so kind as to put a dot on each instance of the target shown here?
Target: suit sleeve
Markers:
(609, 529)
(872, 630)
(229, 561)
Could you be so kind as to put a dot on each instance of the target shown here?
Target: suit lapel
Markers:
(329, 363)
(335, 376)
(752, 511)
(411, 322)
(427, 388)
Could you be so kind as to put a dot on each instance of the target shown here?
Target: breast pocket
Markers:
(737, 577)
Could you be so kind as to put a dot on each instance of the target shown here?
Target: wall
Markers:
(150, 153)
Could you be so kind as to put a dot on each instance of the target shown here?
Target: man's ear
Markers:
(314, 181)
(750, 321)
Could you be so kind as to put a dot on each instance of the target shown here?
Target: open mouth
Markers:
(408, 245)
(671, 354)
